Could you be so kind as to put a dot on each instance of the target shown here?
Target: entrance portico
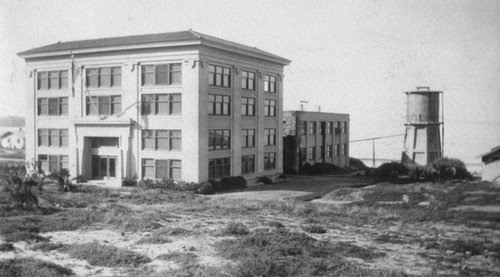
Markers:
(102, 150)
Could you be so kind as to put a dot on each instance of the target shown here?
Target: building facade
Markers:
(13, 140)
(491, 165)
(315, 137)
(180, 105)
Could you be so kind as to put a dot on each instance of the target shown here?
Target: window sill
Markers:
(148, 87)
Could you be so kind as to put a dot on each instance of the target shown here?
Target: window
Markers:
(248, 138)
(329, 127)
(219, 105)
(247, 106)
(53, 106)
(321, 153)
(270, 137)
(247, 164)
(218, 168)
(170, 169)
(53, 137)
(337, 127)
(247, 80)
(104, 105)
(162, 139)
(161, 104)
(321, 130)
(103, 77)
(270, 83)
(53, 163)
(336, 153)
(270, 108)
(329, 150)
(312, 128)
(344, 127)
(302, 128)
(219, 76)
(52, 80)
(98, 142)
(344, 149)
(303, 154)
(312, 153)
(219, 140)
(161, 74)
(269, 160)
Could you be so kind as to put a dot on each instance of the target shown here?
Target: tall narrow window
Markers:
(247, 164)
(270, 137)
(247, 106)
(247, 80)
(269, 108)
(175, 140)
(269, 83)
(312, 127)
(248, 138)
(269, 160)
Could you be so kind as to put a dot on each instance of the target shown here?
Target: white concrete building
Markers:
(12, 140)
(180, 105)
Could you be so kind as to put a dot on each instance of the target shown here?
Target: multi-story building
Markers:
(180, 105)
(315, 137)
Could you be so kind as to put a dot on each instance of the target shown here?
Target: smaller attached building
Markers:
(491, 165)
(314, 137)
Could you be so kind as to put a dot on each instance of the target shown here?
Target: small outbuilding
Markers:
(13, 140)
(491, 165)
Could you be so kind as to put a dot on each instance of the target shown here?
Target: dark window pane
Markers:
(147, 104)
(104, 106)
(161, 169)
(63, 105)
(148, 77)
(63, 79)
(53, 106)
(104, 77)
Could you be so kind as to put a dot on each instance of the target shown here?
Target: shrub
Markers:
(62, 179)
(170, 184)
(130, 182)
(7, 246)
(241, 181)
(315, 229)
(357, 164)
(206, 188)
(32, 267)
(266, 180)
(184, 258)
(216, 185)
(225, 183)
(450, 168)
(391, 170)
(236, 228)
(104, 255)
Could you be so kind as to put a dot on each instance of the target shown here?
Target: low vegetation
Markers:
(105, 255)
(32, 267)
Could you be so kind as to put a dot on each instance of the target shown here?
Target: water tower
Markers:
(422, 142)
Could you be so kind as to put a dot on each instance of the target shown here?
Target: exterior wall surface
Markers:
(321, 139)
(128, 127)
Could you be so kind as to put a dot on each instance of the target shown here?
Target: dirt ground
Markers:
(414, 230)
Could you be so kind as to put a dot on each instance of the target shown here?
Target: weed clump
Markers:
(315, 229)
(46, 246)
(6, 246)
(184, 258)
(284, 253)
(32, 267)
(104, 255)
(236, 228)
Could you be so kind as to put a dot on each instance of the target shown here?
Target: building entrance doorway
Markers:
(103, 167)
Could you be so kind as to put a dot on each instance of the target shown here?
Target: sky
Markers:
(355, 57)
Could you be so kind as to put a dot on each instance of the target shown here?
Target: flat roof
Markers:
(141, 41)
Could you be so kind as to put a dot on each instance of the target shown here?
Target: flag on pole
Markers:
(74, 72)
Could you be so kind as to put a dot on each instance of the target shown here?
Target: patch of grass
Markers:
(32, 267)
(159, 236)
(23, 236)
(11, 211)
(183, 258)
(276, 224)
(6, 247)
(315, 229)
(389, 239)
(46, 246)
(284, 253)
(236, 228)
(461, 246)
(346, 249)
(104, 255)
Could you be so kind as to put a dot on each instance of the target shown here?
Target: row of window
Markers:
(221, 139)
(53, 163)
(171, 169)
(221, 167)
(330, 150)
(340, 127)
(151, 75)
(170, 140)
(53, 137)
(152, 104)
